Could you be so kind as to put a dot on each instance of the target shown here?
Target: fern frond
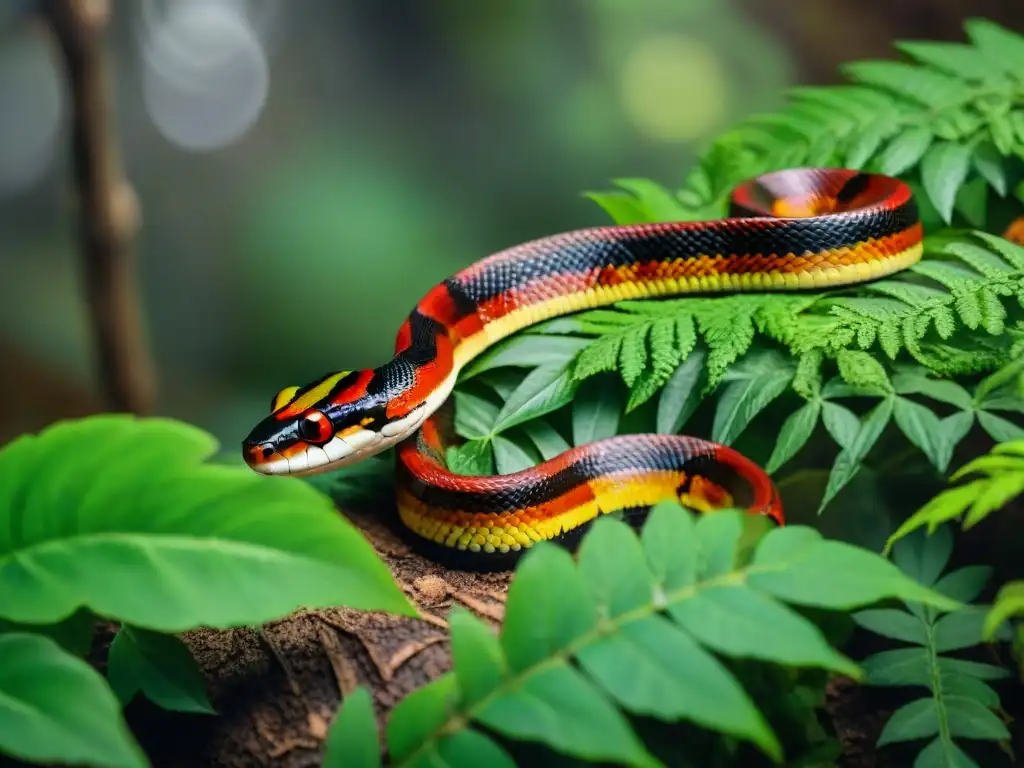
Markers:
(896, 117)
(1002, 480)
(635, 628)
(961, 705)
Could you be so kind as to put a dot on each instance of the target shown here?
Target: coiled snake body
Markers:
(788, 230)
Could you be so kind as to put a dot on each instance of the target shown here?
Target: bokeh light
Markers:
(205, 75)
(674, 88)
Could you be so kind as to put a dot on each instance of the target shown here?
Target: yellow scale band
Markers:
(482, 532)
(831, 273)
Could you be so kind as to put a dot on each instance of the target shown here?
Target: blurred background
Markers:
(306, 171)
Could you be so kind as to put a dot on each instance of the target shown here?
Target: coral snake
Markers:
(811, 228)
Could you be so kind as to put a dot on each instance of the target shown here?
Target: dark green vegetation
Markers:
(693, 641)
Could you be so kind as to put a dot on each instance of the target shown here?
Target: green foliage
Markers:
(352, 741)
(187, 543)
(158, 666)
(904, 341)
(632, 631)
(961, 704)
(1002, 480)
(122, 518)
(54, 707)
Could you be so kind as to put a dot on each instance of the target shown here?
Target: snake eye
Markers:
(315, 427)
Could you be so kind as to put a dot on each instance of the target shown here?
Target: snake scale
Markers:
(807, 228)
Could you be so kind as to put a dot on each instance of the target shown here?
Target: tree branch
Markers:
(108, 209)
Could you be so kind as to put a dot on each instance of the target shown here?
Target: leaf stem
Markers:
(937, 692)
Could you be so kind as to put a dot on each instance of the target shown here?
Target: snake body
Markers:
(787, 230)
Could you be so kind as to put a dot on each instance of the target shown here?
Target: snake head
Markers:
(337, 420)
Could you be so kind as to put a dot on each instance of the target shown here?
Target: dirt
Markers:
(277, 692)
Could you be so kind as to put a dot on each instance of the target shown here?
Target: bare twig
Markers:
(108, 210)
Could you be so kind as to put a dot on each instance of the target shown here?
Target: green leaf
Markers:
(916, 720)
(160, 666)
(943, 753)
(55, 708)
(862, 370)
(477, 655)
(657, 203)
(468, 749)
(841, 423)
(923, 558)
(948, 666)
(960, 629)
(999, 429)
(976, 500)
(739, 622)
(615, 590)
(1002, 47)
(989, 165)
(633, 356)
(1001, 131)
(970, 720)
(654, 668)
(1009, 603)
(906, 666)
(544, 390)
(904, 151)
(548, 440)
(867, 143)
(955, 684)
(972, 201)
(417, 717)
(998, 379)
(475, 457)
(510, 456)
(793, 566)
(923, 85)
(954, 58)
(189, 544)
(474, 415)
(943, 169)
(923, 428)
(893, 623)
(539, 622)
(755, 385)
(352, 741)
(670, 546)
(527, 350)
(561, 708)
(964, 584)
(682, 394)
(596, 410)
(795, 433)
(623, 208)
(849, 460)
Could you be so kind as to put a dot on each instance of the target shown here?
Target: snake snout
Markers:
(257, 455)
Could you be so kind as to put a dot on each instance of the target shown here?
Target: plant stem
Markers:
(108, 209)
